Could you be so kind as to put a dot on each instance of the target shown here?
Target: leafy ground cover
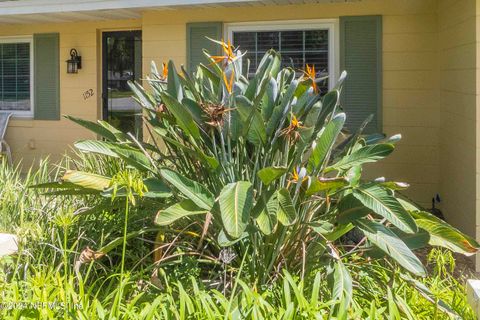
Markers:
(54, 236)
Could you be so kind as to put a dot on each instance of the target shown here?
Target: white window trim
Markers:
(24, 39)
(332, 25)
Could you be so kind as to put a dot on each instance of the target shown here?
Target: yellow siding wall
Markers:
(477, 128)
(410, 103)
(458, 96)
(30, 140)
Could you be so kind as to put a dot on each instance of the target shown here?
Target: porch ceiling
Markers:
(58, 11)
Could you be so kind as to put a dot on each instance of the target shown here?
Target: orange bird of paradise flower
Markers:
(292, 129)
(311, 74)
(229, 55)
(295, 177)
(164, 71)
(296, 123)
(229, 83)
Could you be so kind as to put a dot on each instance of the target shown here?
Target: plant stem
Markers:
(65, 268)
(125, 228)
(124, 246)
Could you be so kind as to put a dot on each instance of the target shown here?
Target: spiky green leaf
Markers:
(96, 146)
(86, 180)
(325, 141)
(322, 184)
(444, 235)
(177, 211)
(94, 127)
(392, 245)
(189, 188)
(382, 203)
(181, 114)
(286, 213)
(270, 174)
(342, 290)
(363, 155)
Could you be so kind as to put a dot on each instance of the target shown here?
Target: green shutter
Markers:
(197, 41)
(361, 57)
(46, 76)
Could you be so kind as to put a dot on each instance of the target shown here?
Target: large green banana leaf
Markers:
(236, 201)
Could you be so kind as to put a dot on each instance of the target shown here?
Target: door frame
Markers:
(104, 71)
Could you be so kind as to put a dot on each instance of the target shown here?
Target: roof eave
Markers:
(53, 6)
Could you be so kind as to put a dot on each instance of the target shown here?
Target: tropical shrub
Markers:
(255, 174)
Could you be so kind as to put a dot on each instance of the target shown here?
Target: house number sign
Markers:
(88, 94)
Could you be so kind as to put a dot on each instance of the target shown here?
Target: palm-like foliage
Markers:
(259, 163)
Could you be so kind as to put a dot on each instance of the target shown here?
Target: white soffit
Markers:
(14, 7)
(58, 11)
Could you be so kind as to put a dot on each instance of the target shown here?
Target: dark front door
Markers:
(122, 62)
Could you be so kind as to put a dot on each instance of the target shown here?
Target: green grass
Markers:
(49, 280)
(113, 94)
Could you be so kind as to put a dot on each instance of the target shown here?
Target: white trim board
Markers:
(332, 25)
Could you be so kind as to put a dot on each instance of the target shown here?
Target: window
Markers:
(299, 43)
(16, 65)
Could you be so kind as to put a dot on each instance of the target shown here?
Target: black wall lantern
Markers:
(74, 63)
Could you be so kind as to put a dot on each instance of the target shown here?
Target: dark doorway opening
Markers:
(122, 62)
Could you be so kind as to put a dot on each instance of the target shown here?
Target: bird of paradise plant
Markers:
(228, 56)
(223, 171)
(311, 74)
(229, 83)
(164, 75)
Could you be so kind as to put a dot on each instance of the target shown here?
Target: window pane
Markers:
(9, 67)
(292, 41)
(9, 84)
(15, 77)
(319, 60)
(267, 41)
(23, 67)
(23, 84)
(297, 47)
(245, 41)
(23, 51)
(316, 40)
(9, 51)
(293, 60)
